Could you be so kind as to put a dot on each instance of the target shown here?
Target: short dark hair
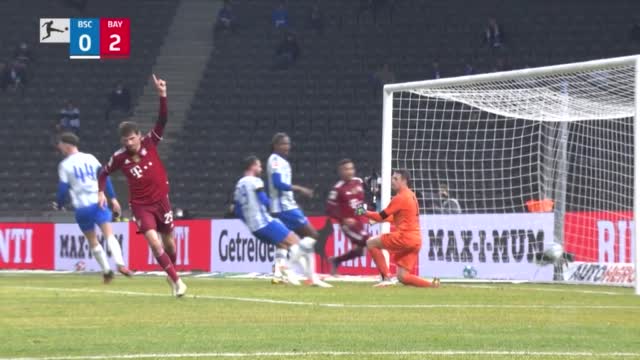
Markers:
(69, 138)
(404, 174)
(344, 162)
(277, 137)
(126, 128)
(248, 162)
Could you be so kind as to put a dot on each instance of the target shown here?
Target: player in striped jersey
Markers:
(78, 175)
(251, 205)
(283, 204)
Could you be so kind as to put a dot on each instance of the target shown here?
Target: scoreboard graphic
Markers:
(89, 38)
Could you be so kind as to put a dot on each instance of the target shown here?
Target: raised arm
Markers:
(158, 130)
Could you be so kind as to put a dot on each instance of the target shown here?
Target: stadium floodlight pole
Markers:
(636, 174)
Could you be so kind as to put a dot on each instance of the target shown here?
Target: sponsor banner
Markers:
(235, 249)
(600, 237)
(26, 246)
(193, 242)
(600, 273)
(497, 246)
(72, 250)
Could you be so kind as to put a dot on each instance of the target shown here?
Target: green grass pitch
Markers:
(77, 317)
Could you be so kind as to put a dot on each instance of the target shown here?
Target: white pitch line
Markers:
(580, 354)
(337, 305)
(595, 292)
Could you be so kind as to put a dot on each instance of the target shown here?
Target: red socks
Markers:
(167, 266)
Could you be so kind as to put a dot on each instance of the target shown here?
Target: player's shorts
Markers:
(404, 248)
(293, 219)
(92, 215)
(274, 233)
(356, 233)
(157, 216)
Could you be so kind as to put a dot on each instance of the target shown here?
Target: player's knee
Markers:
(371, 243)
(310, 232)
(401, 276)
(402, 279)
(291, 239)
(156, 249)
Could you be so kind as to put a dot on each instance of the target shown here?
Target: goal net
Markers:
(519, 169)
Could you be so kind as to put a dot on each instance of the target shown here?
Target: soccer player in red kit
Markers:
(345, 197)
(140, 163)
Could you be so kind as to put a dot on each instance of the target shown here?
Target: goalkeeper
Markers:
(405, 241)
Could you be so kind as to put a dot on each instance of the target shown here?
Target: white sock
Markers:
(305, 257)
(281, 261)
(311, 266)
(307, 244)
(101, 258)
(116, 251)
(296, 256)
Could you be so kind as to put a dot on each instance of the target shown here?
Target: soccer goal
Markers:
(522, 175)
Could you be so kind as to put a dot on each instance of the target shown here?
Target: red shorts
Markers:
(404, 248)
(357, 233)
(157, 216)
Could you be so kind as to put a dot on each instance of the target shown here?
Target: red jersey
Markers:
(145, 173)
(344, 198)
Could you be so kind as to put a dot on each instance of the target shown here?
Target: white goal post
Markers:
(511, 166)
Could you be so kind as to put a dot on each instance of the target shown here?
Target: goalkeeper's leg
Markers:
(374, 245)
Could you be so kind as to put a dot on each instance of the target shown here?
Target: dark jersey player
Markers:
(140, 163)
(345, 197)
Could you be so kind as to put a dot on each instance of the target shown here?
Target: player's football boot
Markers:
(171, 285)
(435, 283)
(385, 283)
(278, 277)
(125, 271)
(108, 277)
(315, 281)
(181, 288)
(290, 276)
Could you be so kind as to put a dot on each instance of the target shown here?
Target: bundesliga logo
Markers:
(54, 30)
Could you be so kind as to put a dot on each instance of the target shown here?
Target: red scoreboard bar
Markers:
(115, 38)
